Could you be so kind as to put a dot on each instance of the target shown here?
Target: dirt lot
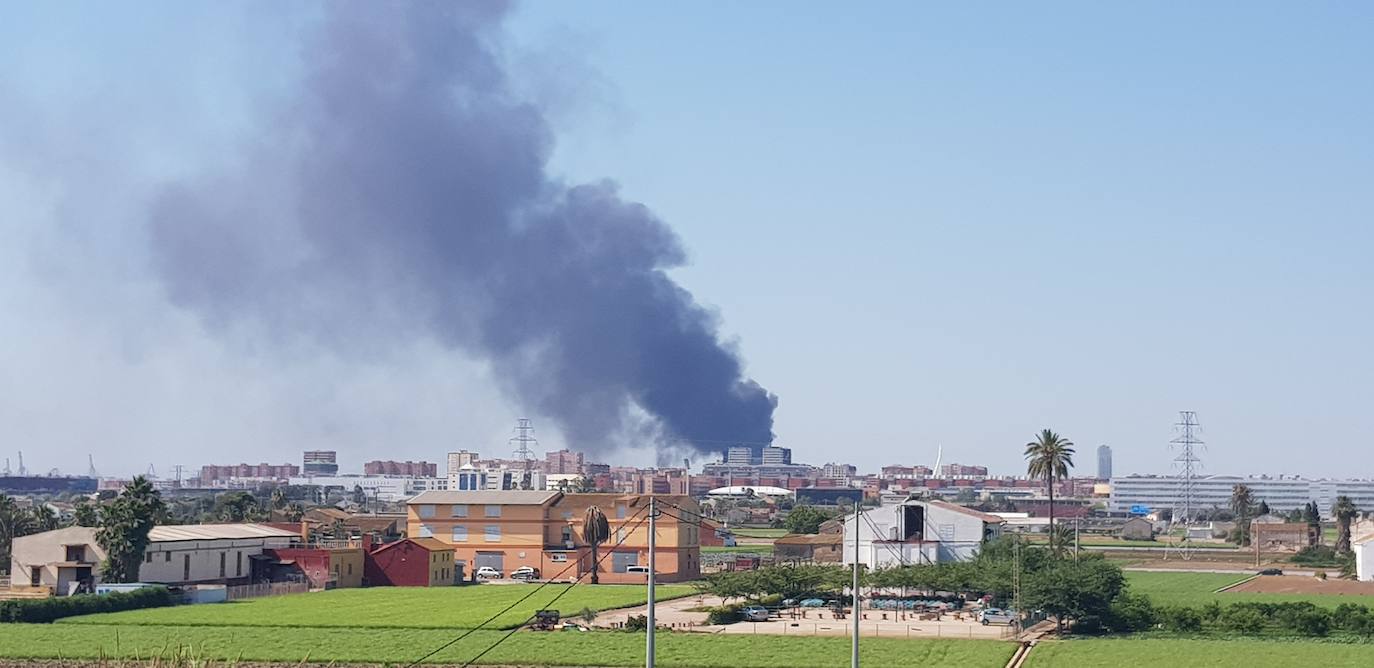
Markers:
(1285, 584)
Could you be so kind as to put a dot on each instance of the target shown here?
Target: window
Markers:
(460, 534)
(620, 512)
(166, 557)
(558, 558)
(426, 511)
(426, 531)
(186, 567)
(493, 533)
(147, 558)
(459, 511)
(946, 532)
(567, 534)
(223, 556)
(35, 576)
(493, 511)
(567, 514)
(350, 568)
(76, 553)
(238, 564)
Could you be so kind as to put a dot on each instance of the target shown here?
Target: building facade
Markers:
(405, 468)
(1104, 462)
(412, 562)
(543, 530)
(320, 462)
(1281, 494)
(212, 474)
(917, 532)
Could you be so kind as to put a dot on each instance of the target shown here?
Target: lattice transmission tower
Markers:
(522, 442)
(1187, 446)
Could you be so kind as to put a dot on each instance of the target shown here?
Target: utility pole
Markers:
(1187, 445)
(653, 563)
(1075, 539)
(854, 590)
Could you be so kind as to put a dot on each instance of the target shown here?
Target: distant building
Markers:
(772, 455)
(457, 460)
(47, 484)
(408, 468)
(413, 562)
(741, 455)
(822, 548)
(963, 471)
(897, 471)
(376, 487)
(320, 462)
(564, 462)
(211, 475)
(838, 471)
(1282, 494)
(1104, 462)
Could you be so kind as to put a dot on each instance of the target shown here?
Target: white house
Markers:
(918, 531)
(1364, 556)
(177, 555)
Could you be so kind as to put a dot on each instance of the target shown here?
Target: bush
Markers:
(1212, 611)
(636, 623)
(1243, 619)
(1316, 622)
(1181, 619)
(48, 610)
(725, 614)
(1132, 612)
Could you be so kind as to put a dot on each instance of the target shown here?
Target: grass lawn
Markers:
(526, 648)
(1163, 542)
(392, 607)
(738, 549)
(1197, 589)
(1185, 653)
(759, 533)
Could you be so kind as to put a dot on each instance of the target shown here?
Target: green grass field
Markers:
(1163, 542)
(526, 648)
(391, 607)
(1197, 589)
(759, 533)
(1188, 653)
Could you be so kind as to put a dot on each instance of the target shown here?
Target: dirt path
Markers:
(1282, 584)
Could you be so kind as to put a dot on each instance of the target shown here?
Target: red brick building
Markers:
(411, 562)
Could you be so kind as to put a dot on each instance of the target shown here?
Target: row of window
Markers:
(491, 532)
(427, 511)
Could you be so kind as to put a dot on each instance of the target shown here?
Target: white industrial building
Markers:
(177, 555)
(917, 531)
(1282, 493)
(388, 488)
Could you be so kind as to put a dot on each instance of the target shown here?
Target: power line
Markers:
(524, 598)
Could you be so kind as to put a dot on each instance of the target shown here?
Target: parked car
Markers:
(996, 616)
(487, 573)
(755, 613)
(813, 603)
(525, 573)
(1271, 571)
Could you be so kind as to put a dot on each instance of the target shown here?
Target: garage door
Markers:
(496, 560)
(622, 560)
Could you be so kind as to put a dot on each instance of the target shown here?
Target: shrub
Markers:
(1181, 619)
(725, 614)
(1315, 622)
(44, 611)
(1132, 612)
(1212, 611)
(1243, 619)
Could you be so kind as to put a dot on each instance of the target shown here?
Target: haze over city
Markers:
(915, 227)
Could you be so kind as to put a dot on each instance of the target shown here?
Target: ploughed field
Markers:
(1199, 589)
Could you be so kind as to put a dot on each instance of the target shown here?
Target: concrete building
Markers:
(832, 470)
(470, 478)
(405, 468)
(773, 455)
(212, 475)
(176, 555)
(809, 548)
(564, 462)
(918, 532)
(1104, 462)
(1363, 547)
(543, 529)
(963, 471)
(1282, 493)
(320, 462)
(377, 487)
(413, 562)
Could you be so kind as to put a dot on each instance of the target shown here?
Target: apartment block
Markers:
(407, 468)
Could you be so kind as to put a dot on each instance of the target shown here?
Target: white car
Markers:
(487, 572)
(525, 573)
(995, 616)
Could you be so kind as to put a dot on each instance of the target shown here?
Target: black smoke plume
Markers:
(401, 192)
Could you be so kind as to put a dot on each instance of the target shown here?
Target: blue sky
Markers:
(923, 224)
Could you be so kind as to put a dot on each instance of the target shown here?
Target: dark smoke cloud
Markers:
(401, 192)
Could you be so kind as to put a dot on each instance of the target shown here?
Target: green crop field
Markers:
(1188, 653)
(526, 648)
(759, 533)
(392, 607)
(1197, 589)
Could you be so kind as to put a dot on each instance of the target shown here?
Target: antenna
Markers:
(22, 471)
(90, 472)
(1188, 463)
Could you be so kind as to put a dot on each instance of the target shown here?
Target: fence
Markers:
(971, 631)
(241, 592)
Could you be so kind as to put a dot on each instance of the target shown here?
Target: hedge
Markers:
(43, 611)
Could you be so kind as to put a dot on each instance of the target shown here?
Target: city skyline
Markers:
(953, 235)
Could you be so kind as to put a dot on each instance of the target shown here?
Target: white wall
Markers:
(165, 562)
(948, 535)
(1364, 560)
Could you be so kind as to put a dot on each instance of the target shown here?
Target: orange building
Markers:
(542, 529)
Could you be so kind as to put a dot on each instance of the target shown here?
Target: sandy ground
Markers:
(1282, 584)
(677, 615)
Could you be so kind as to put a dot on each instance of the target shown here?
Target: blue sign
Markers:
(1140, 509)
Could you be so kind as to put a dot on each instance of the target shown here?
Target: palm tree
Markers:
(1242, 502)
(1344, 511)
(595, 530)
(1049, 456)
(278, 499)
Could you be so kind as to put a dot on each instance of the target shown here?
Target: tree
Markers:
(1263, 507)
(1344, 510)
(804, 519)
(42, 518)
(294, 512)
(278, 499)
(1242, 504)
(85, 514)
(584, 485)
(124, 527)
(14, 522)
(1079, 590)
(1049, 456)
(595, 530)
(236, 507)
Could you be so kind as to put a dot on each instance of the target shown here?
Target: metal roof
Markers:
(486, 497)
(175, 532)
